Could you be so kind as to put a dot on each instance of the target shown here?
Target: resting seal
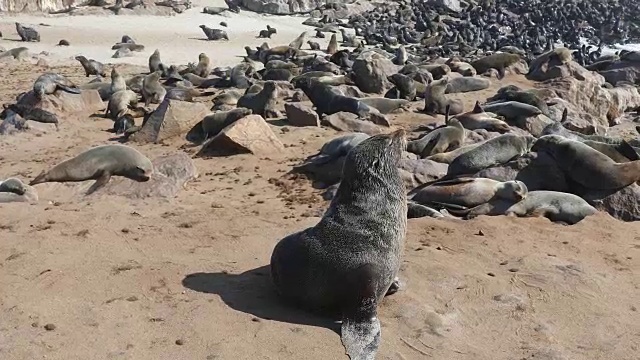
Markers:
(439, 140)
(435, 102)
(467, 192)
(214, 123)
(496, 151)
(13, 185)
(100, 163)
(385, 105)
(478, 119)
(587, 166)
(261, 103)
(350, 259)
(48, 83)
(33, 113)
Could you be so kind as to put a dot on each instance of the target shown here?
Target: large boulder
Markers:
(301, 115)
(251, 134)
(171, 119)
(543, 69)
(344, 121)
(622, 204)
(285, 7)
(65, 103)
(416, 172)
(453, 5)
(627, 71)
(371, 71)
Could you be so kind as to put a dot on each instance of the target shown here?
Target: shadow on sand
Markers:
(252, 292)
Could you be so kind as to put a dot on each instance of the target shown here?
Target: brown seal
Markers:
(449, 137)
(263, 102)
(478, 119)
(100, 163)
(91, 67)
(152, 90)
(498, 61)
(435, 100)
(203, 69)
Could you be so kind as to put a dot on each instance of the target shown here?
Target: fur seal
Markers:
(120, 102)
(63, 42)
(316, 268)
(332, 48)
(512, 110)
(439, 140)
(277, 75)
(462, 68)
(435, 101)
(326, 101)
(33, 113)
(513, 93)
(214, 123)
(401, 56)
(27, 33)
(447, 157)
(117, 81)
(496, 151)
(587, 166)
(467, 192)
(555, 206)
(152, 91)
(498, 61)
(128, 46)
(479, 119)
(203, 69)
(297, 43)
(155, 62)
(49, 83)
(123, 123)
(214, 34)
(467, 84)
(619, 153)
(100, 163)
(91, 67)
(385, 105)
(13, 185)
(263, 102)
(313, 45)
(405, 85)
(336, 148)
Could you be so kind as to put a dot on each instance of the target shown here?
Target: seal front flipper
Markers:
(42, 178)
(360, 325)
(101, 181)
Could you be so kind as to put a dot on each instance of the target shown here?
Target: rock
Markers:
(622, 204)
(416, 172)
(250, 134)
(371, 71)
(543, 70)
(533, 124)
(301, 115)
(42, 62)
(64, 103)
(344, 121)
(349, 90)
(623, 98)
(622, 71)
(453, 5)
(12, 124)
(282, 7)
(171, 174)
(122, 52)
(467, 84)
(172, 118)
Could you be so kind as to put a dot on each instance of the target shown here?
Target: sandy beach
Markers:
(188, 278)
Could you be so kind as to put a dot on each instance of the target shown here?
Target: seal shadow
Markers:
(253, 293)
(201, 39)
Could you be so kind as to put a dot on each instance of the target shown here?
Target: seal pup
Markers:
(91, 67)
(555, 206)
(203, 69)
(297, 42)
(49, 83)
(63, 42)
(120, 102)
(587, 166)
(449, 137)
(100, 163)
(27, 33)
(496, 151)
(263, 102)
(123, 123)
(479, 119)
(467, 192)
(117, 81)
(316, 268)
(214, 34)
(155, 62)
(332, 48)
(152, 90)
(435, 100)
(32, 113)
(214, 123)
(13, 185)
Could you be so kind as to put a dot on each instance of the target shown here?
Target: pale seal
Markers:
(496, 151)
(350, 260)
(49, 83)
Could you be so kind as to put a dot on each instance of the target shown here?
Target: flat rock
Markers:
(171, 119)
(344, 121)
(301, 115)
(250, 134)
(63, 102)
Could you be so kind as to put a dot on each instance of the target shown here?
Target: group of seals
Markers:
(316, 268)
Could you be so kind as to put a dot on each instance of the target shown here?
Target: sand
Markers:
(188, 278)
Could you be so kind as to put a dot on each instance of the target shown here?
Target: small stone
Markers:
(132, 298)
(35, 324)
(491, 274)
(255, 319)
(480, 233)
(179, 342)
(514, 270)
(49, 327)
(504, 262)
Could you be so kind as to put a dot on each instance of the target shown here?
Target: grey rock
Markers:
(371, 71)
(301, 115)
(622, 204)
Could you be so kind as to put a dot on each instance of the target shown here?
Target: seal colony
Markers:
(512, 154)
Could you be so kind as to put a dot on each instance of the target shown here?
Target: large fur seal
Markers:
(406, 86)
(263, 102)
(49, 83)
(91, 67)
(435, 101)
(154, 62)
(297, 43)
(479, 119)
(350, 260)
(467, 192)
(100, 163)
(32, 113)
(214, 123)
(152, 90)
(587, 166)
(496, 151)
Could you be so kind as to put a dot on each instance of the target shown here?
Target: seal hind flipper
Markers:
(360, 325)
(69, 89)
(101, 181)
(626, 150)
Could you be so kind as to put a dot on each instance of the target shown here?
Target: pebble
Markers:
(50, 327)
(179, 342)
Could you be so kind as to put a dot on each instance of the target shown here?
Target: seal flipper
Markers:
(360, 325)
(626, 150)
(101, 181)
(69, 89)
(42, 178)
(477, 109)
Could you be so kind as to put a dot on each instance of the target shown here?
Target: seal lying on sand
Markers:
(496, 151)
(100, 163)
(350, 259)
